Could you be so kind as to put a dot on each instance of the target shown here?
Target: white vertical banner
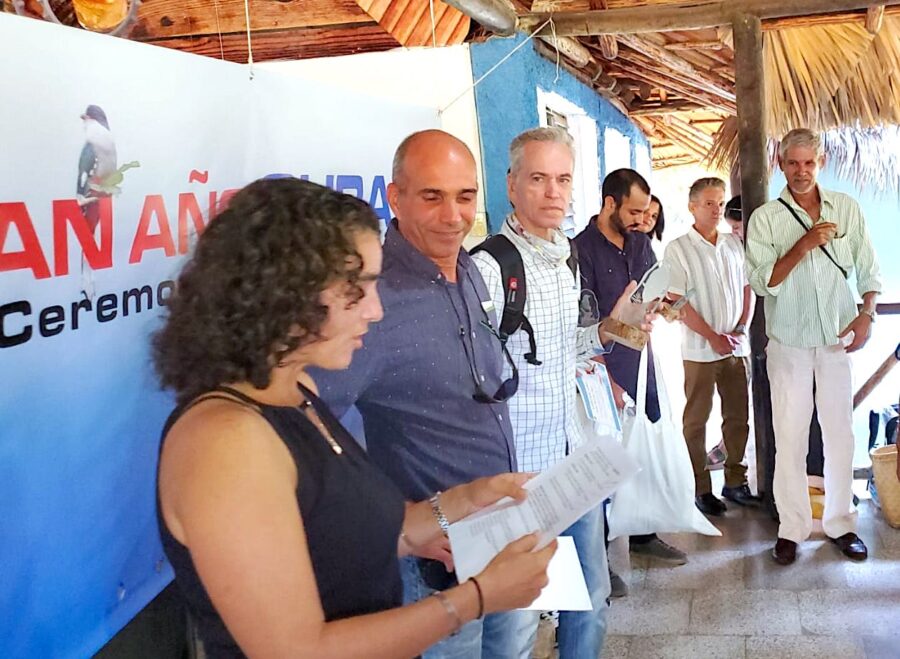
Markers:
(113, 157)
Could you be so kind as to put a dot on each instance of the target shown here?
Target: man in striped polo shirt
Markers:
(714, 346)
(801, 249)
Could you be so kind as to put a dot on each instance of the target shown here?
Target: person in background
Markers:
(714, 346)
(654, 220)
(734, 217)
(610, 255)
(283, 535)
(801, 250)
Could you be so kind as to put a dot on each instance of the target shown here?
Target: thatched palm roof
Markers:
(867, 156)
(841, 79)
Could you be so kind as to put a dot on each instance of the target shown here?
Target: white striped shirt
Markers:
(716, 275)
(814, 303)
(543, 412)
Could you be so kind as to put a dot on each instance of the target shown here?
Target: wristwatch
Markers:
(740, 328)
(870, 313)
(439, 515)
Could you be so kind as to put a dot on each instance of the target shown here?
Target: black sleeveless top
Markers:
(352, 514)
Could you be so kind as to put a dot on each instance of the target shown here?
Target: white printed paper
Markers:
(556, 499)
(597, 396)
(566, 589)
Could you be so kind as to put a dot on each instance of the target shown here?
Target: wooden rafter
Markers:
(409, 21)
(296, 29)
(859, 16)
(659, 109)
(703, 81)
(297, 43)
(161, 19)
(874, 18)
(687, 16)
(695, 45)
(645, 67)
(581, 75)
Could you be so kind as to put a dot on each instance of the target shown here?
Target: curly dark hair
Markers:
(250, 293)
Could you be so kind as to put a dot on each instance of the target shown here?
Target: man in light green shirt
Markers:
(801, 250)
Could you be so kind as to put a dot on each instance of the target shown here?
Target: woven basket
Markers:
(884, 470)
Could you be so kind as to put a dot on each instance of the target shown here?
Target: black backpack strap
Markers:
(512, 276)
(572, 261)
(822, 247)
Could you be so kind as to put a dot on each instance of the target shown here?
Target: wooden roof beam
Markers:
(582, 76)
(708, 83)
(874, 18)
(571, 48)
(165, 19)
(659, 74)
(687, 16)
(688, 145)
(286, 44)
(662, 81)
(658, 109)
(674, 161)
(695, 45)
(825, 19)
(494, 15)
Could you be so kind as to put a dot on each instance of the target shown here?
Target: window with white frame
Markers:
(642, 162)
(616, 151)
(555, 110)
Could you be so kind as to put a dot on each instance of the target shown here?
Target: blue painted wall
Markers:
(506, 102)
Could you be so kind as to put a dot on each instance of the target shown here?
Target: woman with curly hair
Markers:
(283, 536)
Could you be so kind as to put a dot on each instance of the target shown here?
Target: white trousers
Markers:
(791, 375)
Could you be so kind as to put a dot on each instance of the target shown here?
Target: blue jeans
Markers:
(497, 636)
(580, 634)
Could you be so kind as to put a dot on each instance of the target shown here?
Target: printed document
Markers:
(556, 499)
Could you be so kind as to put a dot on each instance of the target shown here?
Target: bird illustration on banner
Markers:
(98, 177)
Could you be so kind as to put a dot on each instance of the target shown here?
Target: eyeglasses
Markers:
(507, 388)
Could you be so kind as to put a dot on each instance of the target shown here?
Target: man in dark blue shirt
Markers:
(428, 380)
(610, 256)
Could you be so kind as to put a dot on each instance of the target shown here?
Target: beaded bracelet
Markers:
(450, 608)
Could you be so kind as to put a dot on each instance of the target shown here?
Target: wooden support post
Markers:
(751, 114)
(874, 18)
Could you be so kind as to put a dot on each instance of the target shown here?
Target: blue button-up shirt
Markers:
(414, 378)
(606, 270)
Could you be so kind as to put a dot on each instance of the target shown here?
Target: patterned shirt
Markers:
(606, 270)
(716, 275)
(814, 303)
(543, 411)
(413, 380)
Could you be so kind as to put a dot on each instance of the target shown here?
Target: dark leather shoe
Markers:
(617, 586)
(851, 546)
(741, 495)
(785, 551)
(710, 505)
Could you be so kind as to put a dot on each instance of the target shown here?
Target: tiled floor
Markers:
(732, 600)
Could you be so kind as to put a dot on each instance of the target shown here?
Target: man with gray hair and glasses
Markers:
(546, 352)
(801, 249)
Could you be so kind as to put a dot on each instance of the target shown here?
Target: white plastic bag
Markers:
(660, 497)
